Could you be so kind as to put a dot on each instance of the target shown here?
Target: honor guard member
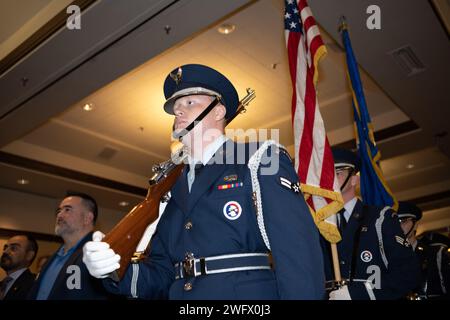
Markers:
(375, 260)
(435, 258)
(232, 206)
(408, 215)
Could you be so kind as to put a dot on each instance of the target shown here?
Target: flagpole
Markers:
(334, 250)
(336, 267)
(305, 48)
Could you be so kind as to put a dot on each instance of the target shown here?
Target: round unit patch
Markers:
(232, 210)
(366, 256)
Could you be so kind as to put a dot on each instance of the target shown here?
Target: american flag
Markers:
(313, 158)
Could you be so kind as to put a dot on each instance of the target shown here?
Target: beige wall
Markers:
(434, 220)
(37, 214)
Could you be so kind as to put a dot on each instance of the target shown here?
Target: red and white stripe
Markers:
(313, 157)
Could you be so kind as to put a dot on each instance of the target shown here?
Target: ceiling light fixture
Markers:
(23, 181)
(226, 28)
(123, 203)
(88, 107)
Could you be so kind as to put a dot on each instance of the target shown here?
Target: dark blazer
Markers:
(373, 248)
(21, 287)
(91, 288)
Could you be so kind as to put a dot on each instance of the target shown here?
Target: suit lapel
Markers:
(202, 183)
(22, 282)
(209, 174)
(60, 281)
(353, 222)
(346, 245)
(204, 179)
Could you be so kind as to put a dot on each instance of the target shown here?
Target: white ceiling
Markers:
(128, 116)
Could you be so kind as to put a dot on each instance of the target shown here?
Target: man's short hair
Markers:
(87, 200)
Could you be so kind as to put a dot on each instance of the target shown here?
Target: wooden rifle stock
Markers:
(126, 235)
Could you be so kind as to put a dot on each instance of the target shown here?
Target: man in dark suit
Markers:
(230, 210)
(376, 260)
(18, 254)
(64, 276)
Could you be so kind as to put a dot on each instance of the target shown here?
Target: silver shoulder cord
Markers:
(253, 165)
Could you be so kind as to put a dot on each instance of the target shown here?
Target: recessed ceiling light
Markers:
(88, 107)
(23, 181)
(410, 166)
(123, 203)
(226, 28)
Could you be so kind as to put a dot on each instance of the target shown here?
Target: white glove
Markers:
(340, 294)
(99, 259)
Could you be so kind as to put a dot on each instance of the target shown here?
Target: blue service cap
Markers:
(344, 158)
(408, 210)
(192, 79)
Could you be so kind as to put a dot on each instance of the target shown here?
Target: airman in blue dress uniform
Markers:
(375, 259)
(236, 225)
(434, 255)
(409, 215)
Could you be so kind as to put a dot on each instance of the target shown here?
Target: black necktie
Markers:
(342, 221)
(191, 175)
(198, 166)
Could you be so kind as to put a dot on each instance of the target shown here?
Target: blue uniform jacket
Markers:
(382, 256)
(435, 271)
(294, 239)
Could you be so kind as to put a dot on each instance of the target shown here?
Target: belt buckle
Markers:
(189, 265)
(334, 284)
